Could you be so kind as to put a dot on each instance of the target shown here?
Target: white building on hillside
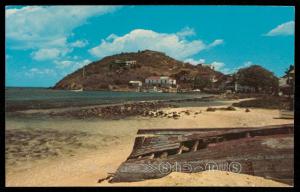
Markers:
(160, 80)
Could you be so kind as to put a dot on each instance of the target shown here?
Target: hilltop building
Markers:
(126, 64)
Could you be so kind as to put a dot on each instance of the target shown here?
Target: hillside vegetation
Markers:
(100, 75)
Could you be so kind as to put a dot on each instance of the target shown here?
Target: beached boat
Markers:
(77, 90)
(260, 151)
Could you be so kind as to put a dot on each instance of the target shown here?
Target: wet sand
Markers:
(70, 152)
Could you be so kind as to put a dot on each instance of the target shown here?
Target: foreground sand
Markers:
(86, 167)
(206, 178)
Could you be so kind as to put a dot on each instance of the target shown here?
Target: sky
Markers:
(45, 43)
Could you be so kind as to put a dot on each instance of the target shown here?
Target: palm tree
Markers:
(291, 82)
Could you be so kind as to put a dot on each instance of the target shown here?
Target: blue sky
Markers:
(45, 43)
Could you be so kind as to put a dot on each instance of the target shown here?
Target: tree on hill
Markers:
(201, 82)
(261, 79)
(100, 74)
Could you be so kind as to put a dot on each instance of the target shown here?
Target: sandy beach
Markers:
(205, 179)
(87, 150)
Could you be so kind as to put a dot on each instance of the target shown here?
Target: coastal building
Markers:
(243, 88)
(135, 83)
(229, 84)
(160, 81)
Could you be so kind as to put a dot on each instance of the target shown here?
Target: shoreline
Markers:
(110, 111)
(61, 100)
(87, 143)
(63, 108)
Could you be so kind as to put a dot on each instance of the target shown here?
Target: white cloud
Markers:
(226, 71)
(46, 54)
(63, 64)
(73, 65)
(220, 66)
(63, 68)
(42, 72)
(287, 28)
(217, 65)
(79, 43)
(43, 26)
(194, 62)
(247, 64)
(111, 37)
(216, 43)
(80, 64)
(140, 39)
(187, 31)
(46, 29)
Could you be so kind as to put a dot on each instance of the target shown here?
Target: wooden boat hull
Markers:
(266, 151)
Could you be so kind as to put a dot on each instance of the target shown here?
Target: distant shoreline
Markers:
(114, 109)
(40, 99)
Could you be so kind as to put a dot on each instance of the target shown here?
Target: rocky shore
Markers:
(113, 112)
(151, 110)
(118, 111)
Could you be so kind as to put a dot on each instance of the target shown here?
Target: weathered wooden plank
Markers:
(266, 151)
(152, 144)
(178, 131)
(144, 151)
(138, 142)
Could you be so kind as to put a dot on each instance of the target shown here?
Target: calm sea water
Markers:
(41, 98)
